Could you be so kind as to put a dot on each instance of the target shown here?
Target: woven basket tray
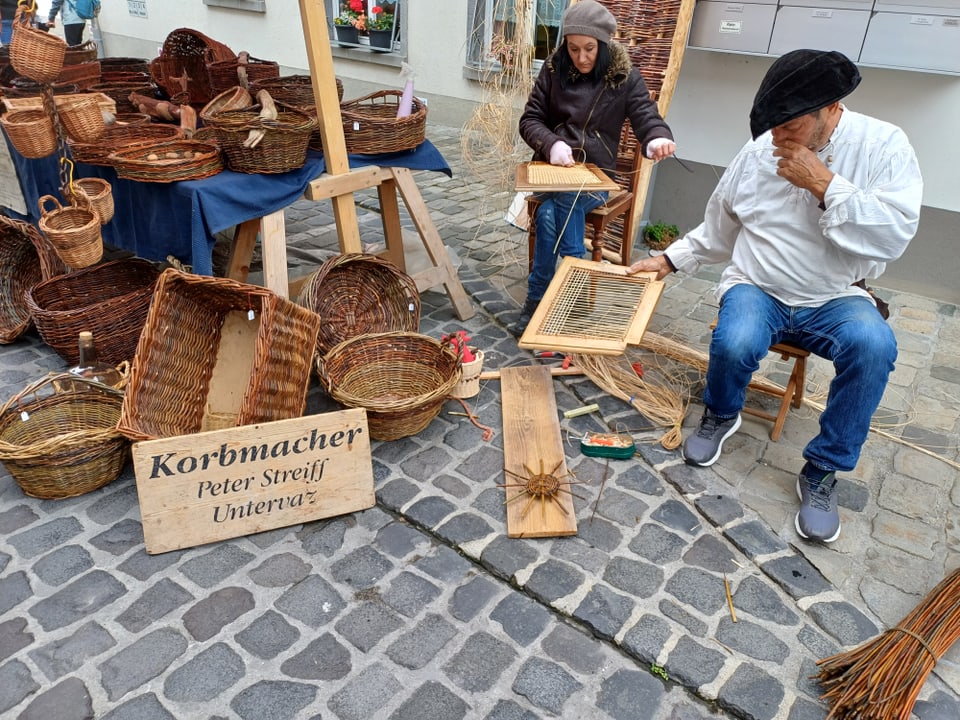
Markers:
(168, 161)
(68, 444)
(110, 300)
(357, 294)
(283, 147)
(26, 258)
(117, 138)
(371, 125)
(401, 379)
(199, 327)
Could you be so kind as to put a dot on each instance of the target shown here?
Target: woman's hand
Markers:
(561, 154)
(660, 149)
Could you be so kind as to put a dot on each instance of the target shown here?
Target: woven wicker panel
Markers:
(357, 294)
(401, 379)
(284, 143)
(371, 125)
(110, 300)
(168, 161)
(68, 445)
(171, 372)
(116, 138)
(26, 258)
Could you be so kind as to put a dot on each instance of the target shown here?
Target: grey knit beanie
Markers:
(588, 17)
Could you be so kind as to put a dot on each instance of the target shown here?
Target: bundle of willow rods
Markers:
(881, 679)
(663, 401)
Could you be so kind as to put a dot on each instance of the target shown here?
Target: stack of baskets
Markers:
(62, 444)
(371, 125)
(369, 353)
(26, 258)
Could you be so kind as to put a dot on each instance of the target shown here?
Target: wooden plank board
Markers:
(582, 176)
(531, 435)
(208, 486)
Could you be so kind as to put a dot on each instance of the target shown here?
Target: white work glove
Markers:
(660, 148)
(561, 154)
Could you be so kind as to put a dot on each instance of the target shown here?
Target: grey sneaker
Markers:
(526, 312)
(818, 518)
(704, 446)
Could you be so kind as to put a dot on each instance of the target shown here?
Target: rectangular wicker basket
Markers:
(217, 353)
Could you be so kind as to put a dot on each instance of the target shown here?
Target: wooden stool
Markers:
(616, 205)
(792, 394)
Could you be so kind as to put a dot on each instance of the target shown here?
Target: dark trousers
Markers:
(73, 34)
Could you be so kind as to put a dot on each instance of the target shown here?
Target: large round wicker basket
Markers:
(400, 378)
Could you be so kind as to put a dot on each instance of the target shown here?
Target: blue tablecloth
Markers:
(154, 220)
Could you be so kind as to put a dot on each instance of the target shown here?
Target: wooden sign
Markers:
(196, 489)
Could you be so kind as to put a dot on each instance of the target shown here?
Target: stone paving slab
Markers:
(422, 608)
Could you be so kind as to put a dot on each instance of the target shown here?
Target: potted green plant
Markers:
(350, 22)
(660, 235)
(380, 29)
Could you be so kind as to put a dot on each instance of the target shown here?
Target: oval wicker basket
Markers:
(168, 161)
(284, 143)
(73, 230)
(26, 258)
(33, 53)
(371, 125)
(68, 444)
(401, 379)
(119, 137)
(356, 294)
(110, 300)
(31, 132)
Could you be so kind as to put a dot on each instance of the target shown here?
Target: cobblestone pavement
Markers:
(421, 608)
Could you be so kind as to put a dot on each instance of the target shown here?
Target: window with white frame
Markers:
(494, 23)
(367, 15)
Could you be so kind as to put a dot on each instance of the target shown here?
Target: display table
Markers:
(154, 220)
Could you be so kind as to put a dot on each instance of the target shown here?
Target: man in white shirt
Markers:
(821, 198)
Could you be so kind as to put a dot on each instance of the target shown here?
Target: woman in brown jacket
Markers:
(575, 112)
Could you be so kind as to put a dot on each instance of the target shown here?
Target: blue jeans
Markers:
(560, 211)
(848, 331)
(7, 32)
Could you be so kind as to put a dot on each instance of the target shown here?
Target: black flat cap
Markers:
(801, 82)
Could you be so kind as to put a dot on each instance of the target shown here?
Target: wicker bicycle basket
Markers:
(73, 230)
(31, 132)
(62, 444)
(168, 161)
(26, 258)
(241, 70)
(202, 334)
(33, 53)
(284, 143)
(356, 294)
(119, 137)
(371, 125)
(110, 300)
(401, 379)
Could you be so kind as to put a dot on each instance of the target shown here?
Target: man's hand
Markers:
(561, 154)
(657, 264)
(800, 166)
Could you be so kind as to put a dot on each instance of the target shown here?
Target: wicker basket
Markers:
(234, 98)
(31, 132)
(182, 64)
(126, 119)
(68, 444)
(241, 70)
(110, 300)
(99, 193)
(123, 76)
(125, 64)
(76, 54)
(81, 117)
(33, 53)
(73, 230)
(294, 91)
(357, 294)
(168, 161)
(199, 339)
(120, 92)
(401, 379)
(371, 125)
(283, 147)
(84, 75)
(117, 138)
(26, 258)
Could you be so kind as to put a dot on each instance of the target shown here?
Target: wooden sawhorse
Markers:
(390, 182)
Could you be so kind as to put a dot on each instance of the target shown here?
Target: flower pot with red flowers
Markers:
(380, 29)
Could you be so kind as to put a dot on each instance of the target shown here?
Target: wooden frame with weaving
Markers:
(655, 35)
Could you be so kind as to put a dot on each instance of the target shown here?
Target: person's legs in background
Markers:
(73, 34)
(560, 215)
(6, 32)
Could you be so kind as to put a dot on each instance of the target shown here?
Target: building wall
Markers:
(708, 114)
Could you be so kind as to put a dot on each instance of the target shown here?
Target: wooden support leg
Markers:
(390, 214)
(442, 271)
(273, 244)
(244, 240)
